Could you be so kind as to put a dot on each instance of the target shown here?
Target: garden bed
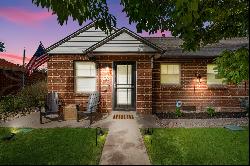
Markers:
(201, 115)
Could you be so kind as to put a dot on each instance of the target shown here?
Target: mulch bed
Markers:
(201, 115)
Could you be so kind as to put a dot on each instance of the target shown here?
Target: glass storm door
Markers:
(124, 86)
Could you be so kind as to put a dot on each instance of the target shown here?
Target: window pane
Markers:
(124, 96)
(164, 69)
(210, 68)
(176, 69)
(87, 69)
(124, 74)
(170, 74)
(170, 79)
(170, 69)
(85, 84)
(211, 75)
(212, 80)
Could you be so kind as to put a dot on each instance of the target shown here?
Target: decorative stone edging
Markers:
(189, 123)
(15, 115)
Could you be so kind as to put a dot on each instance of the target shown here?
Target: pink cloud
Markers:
(157, 34)
(14, 58)
(23, 16)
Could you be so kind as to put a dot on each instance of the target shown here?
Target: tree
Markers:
(1, 47)
(233, 65)
(196, 22)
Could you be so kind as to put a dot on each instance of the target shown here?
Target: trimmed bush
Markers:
(31, 95)
(178, 112)
(7, 104)
(211, 111)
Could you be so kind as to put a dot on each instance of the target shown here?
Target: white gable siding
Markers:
(81, 42)
(124, 43)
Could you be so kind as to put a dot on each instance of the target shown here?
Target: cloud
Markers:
(23, 16)
(14, 58)
(157, 34)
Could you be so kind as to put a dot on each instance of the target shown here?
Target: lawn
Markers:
(69, 146)
(198, 146)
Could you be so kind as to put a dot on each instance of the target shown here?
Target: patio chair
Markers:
(52, 106)
(91, 108)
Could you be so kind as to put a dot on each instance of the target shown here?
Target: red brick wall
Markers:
(61, 79)
(224, 98)
(143, 81)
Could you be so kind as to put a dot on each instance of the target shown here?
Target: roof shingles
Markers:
(171, 45)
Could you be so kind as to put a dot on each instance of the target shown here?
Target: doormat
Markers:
(120, 116)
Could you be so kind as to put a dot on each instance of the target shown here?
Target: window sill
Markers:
(217, 86)
(172, 86)
(82, 94)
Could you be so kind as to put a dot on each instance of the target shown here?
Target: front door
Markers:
(124, 86)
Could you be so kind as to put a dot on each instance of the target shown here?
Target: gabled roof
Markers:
(117, 33)
(88, 39)
(172, 48)
(75, 34)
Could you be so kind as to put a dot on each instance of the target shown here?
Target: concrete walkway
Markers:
(124, 144)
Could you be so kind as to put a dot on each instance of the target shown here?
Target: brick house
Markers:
(142, 74)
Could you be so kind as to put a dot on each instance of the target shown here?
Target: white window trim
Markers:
(170, 74)
(76, 77)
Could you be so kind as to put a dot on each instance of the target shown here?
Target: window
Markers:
(211, 75)
(85, 77)
(170, 74)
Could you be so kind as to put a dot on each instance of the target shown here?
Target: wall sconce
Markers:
(106, 66)
(198, 78)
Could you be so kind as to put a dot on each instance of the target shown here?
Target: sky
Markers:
(24, 25)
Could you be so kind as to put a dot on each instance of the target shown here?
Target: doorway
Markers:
(124, 85)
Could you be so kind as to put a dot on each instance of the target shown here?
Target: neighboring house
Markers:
(11, 77)
(142, 74)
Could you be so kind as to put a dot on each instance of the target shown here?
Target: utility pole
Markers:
(23, 66)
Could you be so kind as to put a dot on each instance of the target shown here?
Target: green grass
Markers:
(69, 146)
(198, 146)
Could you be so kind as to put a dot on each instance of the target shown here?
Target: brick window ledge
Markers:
(81, 94)
(169, 86)
(217, 87)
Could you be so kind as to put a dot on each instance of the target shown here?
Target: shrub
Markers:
(7, 104)
(30, 96)
(211, 111)
(33, 94)
(178, 112)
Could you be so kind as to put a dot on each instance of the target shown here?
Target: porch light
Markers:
(198, 78)
(106, 66)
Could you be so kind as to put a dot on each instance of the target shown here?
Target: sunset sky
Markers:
(23, 24)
